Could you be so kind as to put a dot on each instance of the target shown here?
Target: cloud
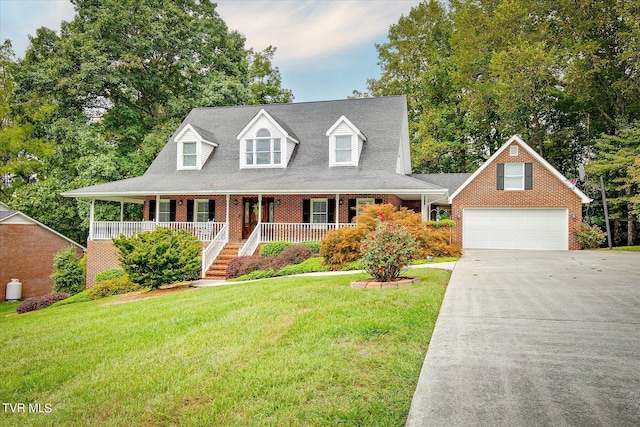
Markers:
(306, 30)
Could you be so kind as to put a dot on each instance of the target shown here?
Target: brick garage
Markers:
(548, 192)
(27, 253)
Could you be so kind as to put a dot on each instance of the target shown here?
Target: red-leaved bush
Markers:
(37, 303)
(242, 265)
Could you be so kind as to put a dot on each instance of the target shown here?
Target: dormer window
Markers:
(194, 146)
(266, 143)
(345, 143)
(264, 150)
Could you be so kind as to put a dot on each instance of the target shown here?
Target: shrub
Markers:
(247, 264)
(160, 257)
(308, 266)
(292, 255)
(37, 303)
(273, 249)
(110, 274)
(387, 250)
(314, 246)
(589, 236)
(342, 246)
(117, 286)
(67, 276)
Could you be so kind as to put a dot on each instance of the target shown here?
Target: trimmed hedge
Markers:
(43, 301)
(244, 265)
(110, 274)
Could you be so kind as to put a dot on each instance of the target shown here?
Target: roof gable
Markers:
(536, 156)
(16, 217)
(281, 127)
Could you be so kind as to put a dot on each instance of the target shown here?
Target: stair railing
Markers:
(211, 252)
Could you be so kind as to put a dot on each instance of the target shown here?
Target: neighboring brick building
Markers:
(255, 174)
(27, 248)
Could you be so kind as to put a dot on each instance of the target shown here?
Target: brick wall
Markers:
(547, 192)
(26, 254)
(101, 255)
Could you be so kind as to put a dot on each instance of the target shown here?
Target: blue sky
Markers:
(326, 48)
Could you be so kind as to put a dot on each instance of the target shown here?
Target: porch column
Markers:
(91, 210)
(337, 214)
(157, 208)
(228, 197)
(121, 209)
(259, 209)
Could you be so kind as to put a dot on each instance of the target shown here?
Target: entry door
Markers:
(251, 212)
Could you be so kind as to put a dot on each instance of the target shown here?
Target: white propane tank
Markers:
(14, 290)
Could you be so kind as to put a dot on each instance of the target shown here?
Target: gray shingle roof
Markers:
(450, 181)
(381, 119)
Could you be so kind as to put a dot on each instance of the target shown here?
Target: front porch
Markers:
(245, 220)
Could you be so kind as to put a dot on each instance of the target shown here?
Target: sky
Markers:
(325, 48)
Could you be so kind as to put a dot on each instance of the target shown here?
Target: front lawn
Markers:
(290, 351)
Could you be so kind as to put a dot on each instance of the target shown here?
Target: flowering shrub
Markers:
(387, 250)
(589, 236)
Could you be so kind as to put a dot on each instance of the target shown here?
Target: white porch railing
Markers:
(107, 230)
(211, 252)
(297, 232)
(289, 232)
(252, 242)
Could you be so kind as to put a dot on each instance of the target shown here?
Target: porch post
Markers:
(228, 197)
(157, 208)
(121, 209)
(337, 215)
(91, 210)
(259, 209)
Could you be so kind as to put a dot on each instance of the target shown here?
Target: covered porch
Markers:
(248, 220)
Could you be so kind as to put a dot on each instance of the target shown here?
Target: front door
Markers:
(251, 211)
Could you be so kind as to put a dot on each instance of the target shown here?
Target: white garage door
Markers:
(515, 229)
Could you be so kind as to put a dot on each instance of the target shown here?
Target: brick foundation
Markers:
(101, 255)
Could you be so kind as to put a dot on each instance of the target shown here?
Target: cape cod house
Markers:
(241, 176)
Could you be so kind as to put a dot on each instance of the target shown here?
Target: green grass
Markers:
(625, 248)
(289, 351)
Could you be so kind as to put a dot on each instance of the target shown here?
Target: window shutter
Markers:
(352, 209)
(172, 210)
(500, 178)
(152, 210)
(212, 209)
(306, 211)
(331, 211)
(190, 216)
(378, 201)
(528, 176)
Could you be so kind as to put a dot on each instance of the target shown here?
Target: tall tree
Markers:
(118, 80)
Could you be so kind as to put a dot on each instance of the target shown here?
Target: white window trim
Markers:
(326, 212)
(196, 203)
(181, 165)
(167, 204)
(513, 150)
(350, 162)
(357, 139)
(272, 151)
(521, 175)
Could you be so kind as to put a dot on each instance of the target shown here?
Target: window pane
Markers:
(263, 133)
(319, 207)
(263, 158)
(276, 144)
(202, 211)
(343, 142)
(343, 156)
(189, 148)
(263, 145)
(249, 145)
(165, 208)
(513, 169)
(249, 158)
(276, 158)
(189, 160)
(511, 182)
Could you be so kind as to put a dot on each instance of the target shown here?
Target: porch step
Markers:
(218, 270)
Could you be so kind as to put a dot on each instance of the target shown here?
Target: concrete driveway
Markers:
(535, 338)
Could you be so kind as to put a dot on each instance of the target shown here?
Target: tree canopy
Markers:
(97, 102)
(564, 75)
